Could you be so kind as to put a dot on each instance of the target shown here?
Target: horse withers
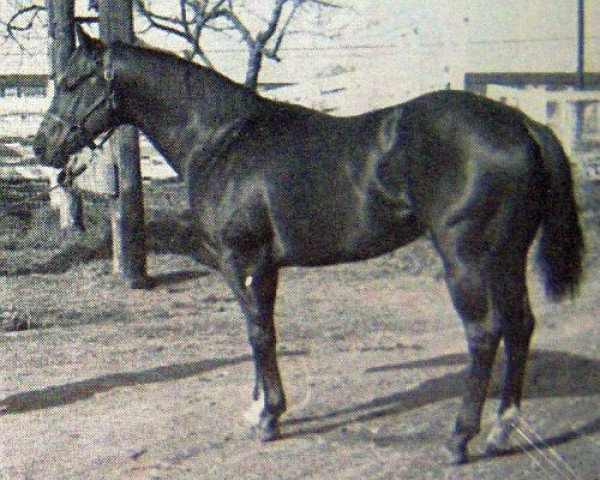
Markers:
(273, 185)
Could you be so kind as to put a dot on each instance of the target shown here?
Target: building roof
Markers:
(478, 80)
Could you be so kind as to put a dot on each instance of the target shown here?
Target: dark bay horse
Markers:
(273, 185)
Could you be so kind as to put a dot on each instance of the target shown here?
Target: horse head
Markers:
(83, 105)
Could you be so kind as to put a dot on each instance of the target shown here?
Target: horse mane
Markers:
(189, 68)
(197, 76)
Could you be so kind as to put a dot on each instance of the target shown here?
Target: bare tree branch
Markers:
(326, 4)
(22, 20)
(25, 19)
(192, 18)
(222, 16)
(272, 53)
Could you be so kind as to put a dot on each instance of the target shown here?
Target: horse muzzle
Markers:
(39, 147)
(46, 154)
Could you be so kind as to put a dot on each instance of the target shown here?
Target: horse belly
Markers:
(334, 238)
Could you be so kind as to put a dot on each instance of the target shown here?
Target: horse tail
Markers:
(561, 245)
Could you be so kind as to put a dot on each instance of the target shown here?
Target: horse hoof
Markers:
(457, 450)
(268, 429)
(498, 438)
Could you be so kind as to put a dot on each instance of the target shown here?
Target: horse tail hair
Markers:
(561, 244)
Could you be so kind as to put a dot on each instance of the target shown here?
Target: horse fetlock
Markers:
(511, 415)
(467, 427)
(457, 449)
(501, 431)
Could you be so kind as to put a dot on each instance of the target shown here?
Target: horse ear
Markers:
(88, 43)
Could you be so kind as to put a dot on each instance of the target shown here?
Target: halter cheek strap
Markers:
(108, 97)
(69, 172)
(109, 76)
(79, 127)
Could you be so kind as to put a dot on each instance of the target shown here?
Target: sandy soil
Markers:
(122, 384)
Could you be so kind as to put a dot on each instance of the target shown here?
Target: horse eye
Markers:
(68, 84)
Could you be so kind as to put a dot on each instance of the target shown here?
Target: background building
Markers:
(385, 52)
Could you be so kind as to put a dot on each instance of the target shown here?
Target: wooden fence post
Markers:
(61, 30)
(127, 212)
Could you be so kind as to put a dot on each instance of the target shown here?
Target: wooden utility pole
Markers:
(580, 105)
(61, 30)
(128, 228)
(580, 45)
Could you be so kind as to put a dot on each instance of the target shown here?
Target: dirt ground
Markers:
(124, 384)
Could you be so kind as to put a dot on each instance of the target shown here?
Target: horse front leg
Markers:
(253, 279)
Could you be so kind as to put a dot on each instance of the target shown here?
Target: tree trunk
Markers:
(61, 30)
(253, 68)
(129, 246)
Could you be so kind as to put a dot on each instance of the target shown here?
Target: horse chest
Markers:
(229, 211)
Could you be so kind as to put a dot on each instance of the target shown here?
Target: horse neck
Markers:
(178, 106)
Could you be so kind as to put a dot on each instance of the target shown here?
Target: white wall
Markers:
(562, 118)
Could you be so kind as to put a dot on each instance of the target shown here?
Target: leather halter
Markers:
(79, 127)
(68, 174)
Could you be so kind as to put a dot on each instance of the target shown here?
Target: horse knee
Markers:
(482, 342)
(468, 289)
(261, 338)
(528, 324)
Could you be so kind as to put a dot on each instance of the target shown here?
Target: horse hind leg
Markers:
(467, 277)
(511, 303)
(497, 439)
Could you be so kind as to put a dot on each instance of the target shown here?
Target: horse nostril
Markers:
(39, 147)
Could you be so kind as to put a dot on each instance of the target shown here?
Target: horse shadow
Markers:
(60, 395)
(173, 278)
(551, 374)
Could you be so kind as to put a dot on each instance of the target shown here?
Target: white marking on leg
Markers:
(248, 281)
(252, 414)
(504, 426)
